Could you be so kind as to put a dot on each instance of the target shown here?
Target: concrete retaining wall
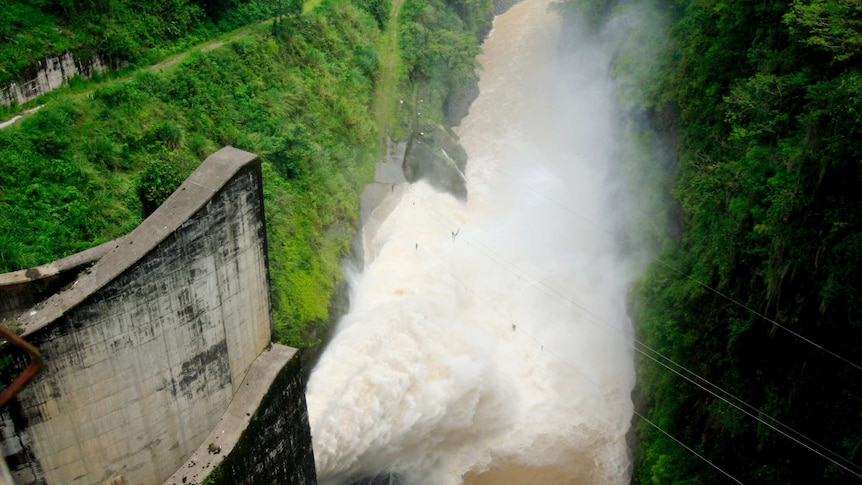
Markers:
(265, 439)
(51, 73)
(144, 353)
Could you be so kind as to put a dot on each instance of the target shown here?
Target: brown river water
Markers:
(487, 341)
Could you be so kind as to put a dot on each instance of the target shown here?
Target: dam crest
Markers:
(158, 361)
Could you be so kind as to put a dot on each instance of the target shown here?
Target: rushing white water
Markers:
(494, 331)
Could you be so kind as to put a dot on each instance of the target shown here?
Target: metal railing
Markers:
(20, 382)
(27, 374)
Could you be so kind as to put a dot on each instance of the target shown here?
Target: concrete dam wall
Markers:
(146, 349)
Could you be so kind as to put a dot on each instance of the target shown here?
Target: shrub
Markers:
(100, 149)
(158, 182)
(368, 60)
(379, 9)
(116, 94)
(292, 158)
(169, 134)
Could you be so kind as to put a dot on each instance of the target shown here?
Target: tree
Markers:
(287, 13)
(458, 50)
(379, 9)
(831, 25)
(157, 183)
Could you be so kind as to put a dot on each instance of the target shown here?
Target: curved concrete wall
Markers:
(144, 353)
(20, 290)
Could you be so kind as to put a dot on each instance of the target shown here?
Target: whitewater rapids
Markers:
(492, 334)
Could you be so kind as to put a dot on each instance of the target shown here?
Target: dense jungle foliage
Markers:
(762, 103)
(96, 159)
(439, 41)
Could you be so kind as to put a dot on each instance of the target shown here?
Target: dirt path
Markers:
(202, 47)
(20, 115)
(387, 82)
(209, 45)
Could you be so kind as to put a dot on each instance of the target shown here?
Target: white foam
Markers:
(508, 340)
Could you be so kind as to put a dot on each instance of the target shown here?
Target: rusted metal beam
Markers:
(29, 372)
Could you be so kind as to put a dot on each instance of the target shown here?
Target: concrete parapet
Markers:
(194, 193)
(263, 437)
(20, 290)
(145, 351)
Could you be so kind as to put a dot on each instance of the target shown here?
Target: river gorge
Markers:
(487, 340)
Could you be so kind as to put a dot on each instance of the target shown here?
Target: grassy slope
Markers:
(387, 81)
(81, 87)
(70, 173)
(120, 31)
(83, 169)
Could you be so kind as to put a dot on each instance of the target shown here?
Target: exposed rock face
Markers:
(51, 73)
(458, 102)
(434, 155)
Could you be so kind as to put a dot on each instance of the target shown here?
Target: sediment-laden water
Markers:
(487, 341)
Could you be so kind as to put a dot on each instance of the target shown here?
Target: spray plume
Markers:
(494, 330)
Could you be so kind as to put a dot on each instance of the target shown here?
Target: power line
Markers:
(755, 312)
(746, 307)
(639, 347)
(758, 418)
(742, 305)
(728, 475)
(686, 275)
(556, 356)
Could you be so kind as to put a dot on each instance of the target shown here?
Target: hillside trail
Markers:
(209, 45)
(387, 82)
(206, 46)
(383, 95)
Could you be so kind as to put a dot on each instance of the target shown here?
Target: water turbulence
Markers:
(491, 334)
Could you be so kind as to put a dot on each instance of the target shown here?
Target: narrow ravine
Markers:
(487, 340)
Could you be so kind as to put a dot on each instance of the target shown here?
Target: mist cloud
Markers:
(508, 341)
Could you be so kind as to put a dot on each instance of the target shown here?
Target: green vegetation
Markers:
(439, 42)
(84, 169)
(379, 9)
(96, 159)
(121, 31)
(762, 101)
(383, 103)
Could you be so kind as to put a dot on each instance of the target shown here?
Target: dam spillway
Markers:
(487, 340)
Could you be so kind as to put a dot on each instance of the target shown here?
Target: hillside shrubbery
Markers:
(762, 101)
(121, 31)
(84, 169)
(439, 42)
